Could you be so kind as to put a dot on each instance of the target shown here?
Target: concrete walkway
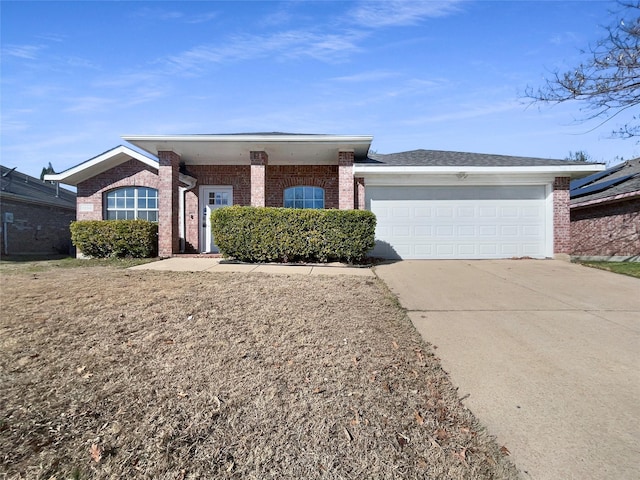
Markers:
(548, 351)
(208, 264)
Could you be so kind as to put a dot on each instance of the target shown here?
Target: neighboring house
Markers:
(35, 215)
(429, 204)
(605, 213)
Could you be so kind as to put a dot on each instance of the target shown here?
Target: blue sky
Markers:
(444, 75)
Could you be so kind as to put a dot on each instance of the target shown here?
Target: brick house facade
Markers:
(194, 174)
(40, 214)
(605, 214)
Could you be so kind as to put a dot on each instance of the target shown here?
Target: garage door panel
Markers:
(463, 222)
(401, 231)
(423, 230)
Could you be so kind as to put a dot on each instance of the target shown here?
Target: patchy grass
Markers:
(111, 373)
(31, 263)
(626, 268)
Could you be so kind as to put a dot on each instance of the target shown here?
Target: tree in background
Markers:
(608, 82)
(579, 156)
(46, 171)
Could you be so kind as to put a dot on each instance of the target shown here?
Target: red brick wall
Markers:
(280, 177)
(259, 161)
(359, 193)
(606, 230)
(129, 174)
(36, 229)
(168, 232)
(346, 183)
(561, 221)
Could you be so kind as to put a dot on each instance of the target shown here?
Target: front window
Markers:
(132, 203)
(304, 197)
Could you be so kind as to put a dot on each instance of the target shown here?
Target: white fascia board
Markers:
(97, 165)
(558, 170)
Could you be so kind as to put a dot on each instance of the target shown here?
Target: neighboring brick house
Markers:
(34, 215)
(429, 204)
(605, 214)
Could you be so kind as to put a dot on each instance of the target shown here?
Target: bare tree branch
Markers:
(609, 82)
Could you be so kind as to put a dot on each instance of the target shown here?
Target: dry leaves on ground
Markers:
(108, 373)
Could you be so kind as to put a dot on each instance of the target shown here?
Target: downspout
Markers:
(191, 183)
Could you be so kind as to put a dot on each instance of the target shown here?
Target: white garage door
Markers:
(459, 222)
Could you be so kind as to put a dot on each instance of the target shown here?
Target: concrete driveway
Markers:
(548, 351)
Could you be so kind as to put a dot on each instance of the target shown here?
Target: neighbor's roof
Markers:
(22, 187)
(616, 183)
(438, 161)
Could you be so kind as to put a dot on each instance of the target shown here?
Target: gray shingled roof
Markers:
(21, 186)
(632, 184)
(438, 158)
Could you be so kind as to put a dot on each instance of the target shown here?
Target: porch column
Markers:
(359, 192)
(259, 162)
(345, 180)
(168, 230)
(561, 217)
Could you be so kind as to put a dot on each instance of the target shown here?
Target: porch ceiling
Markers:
(282, 149)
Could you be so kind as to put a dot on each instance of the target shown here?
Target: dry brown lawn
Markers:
(112, 373)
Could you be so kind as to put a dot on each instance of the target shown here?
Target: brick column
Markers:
(345, 181)
(359, 193)
(259, 162)
(561, 217)
(168, 171)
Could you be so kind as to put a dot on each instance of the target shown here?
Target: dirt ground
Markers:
(108, 373)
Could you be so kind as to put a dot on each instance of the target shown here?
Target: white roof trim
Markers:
(99, 164)
(568, 170)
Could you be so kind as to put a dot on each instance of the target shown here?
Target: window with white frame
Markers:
(130, 203)
(304, 197)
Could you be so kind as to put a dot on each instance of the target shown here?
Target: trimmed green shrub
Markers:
(115, 238)
(266, 234)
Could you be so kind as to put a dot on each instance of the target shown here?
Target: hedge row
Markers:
(115, 238)
(268, 234)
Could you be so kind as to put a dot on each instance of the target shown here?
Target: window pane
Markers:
(298, 193)
(132, 202)
(318, 204)
(288, 194)
(318, 193)
(308, 192)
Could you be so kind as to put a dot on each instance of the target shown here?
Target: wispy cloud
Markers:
(27, 52)
(393, 13)
(89, 104)
(372, 76)
(328, 47)
(465, 112)
(164, 15)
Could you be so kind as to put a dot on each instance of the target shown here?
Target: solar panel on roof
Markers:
(576, 184)
(599, 186)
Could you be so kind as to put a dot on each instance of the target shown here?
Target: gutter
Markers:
(573, 170)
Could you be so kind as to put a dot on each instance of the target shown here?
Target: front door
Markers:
(211, 198)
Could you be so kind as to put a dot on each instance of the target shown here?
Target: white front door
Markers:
(211, 198)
